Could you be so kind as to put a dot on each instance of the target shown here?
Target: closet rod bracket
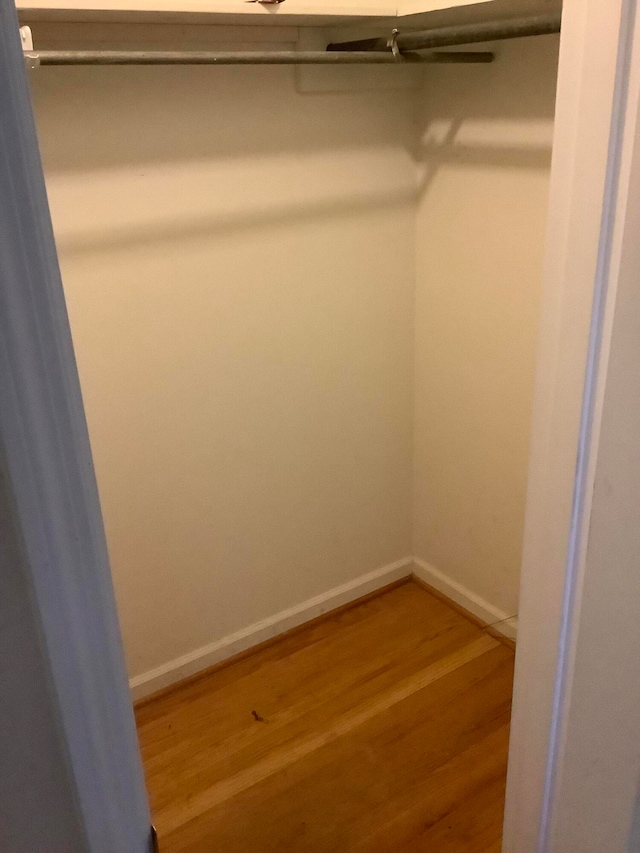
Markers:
(32, 59)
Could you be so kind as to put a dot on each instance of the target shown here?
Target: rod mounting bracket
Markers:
(31, 57)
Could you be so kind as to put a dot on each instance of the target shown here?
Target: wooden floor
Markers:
(383, 727)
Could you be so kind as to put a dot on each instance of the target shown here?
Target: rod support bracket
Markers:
(32, 59)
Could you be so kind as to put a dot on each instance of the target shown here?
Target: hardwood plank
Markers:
(154, 698)
(396, 610)
(475, 826)
(413, 812)
(340, 793)
(336, 727)
(381, 724)
(209, 733)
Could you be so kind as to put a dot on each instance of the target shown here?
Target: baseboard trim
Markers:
(207, 656)
(500, 622)
(228, 647)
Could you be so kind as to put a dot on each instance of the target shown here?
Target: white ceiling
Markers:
(483, 12)
(338, 27)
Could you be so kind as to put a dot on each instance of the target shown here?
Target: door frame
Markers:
(594, 140)
(46, 450)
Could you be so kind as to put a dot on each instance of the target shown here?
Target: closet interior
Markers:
(304, 296)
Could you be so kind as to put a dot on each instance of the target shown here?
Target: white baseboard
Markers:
(220, 650)
(504, 623)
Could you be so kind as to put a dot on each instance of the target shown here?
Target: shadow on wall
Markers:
(162, 155)
(111, 117)
(486, 125)
(104, 128)
(223, 226)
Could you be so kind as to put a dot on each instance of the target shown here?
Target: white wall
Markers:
(485, 145)
(238, 261)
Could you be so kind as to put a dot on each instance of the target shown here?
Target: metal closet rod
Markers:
(231, 57)
(534, 25)
(399, 48)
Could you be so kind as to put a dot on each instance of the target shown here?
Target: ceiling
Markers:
(349, 27)
(483, 12)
